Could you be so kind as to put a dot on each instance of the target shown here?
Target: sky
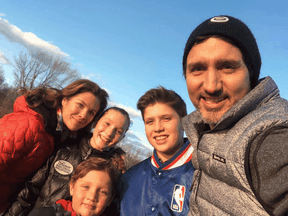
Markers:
(130, 46)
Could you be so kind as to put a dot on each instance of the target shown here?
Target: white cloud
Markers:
(108, 92)
(132, 135)
(94, 75)
(3, 59)
(2, 14)
(91, 75)
(29, 40)
(133, 113)
(85, 77)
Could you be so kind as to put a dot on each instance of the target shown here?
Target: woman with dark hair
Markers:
(51, 182)
(42, 119)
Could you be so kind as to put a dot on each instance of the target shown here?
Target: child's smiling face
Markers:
(163, 129)
(110, 129)
(92, 193)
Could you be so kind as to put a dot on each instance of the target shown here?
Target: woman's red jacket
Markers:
(24, 146)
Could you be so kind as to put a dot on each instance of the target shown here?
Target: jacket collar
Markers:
(86, 149)
(183, 156)
(67, 206)
(60, 126)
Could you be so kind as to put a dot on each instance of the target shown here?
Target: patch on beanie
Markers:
(220, 19)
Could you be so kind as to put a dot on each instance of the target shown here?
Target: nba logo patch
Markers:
(178, 198)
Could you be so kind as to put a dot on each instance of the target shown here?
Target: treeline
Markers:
(32, 70)
(133, 155)
(38, 70)
(8, 95)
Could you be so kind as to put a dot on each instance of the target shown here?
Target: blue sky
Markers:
(130, 46)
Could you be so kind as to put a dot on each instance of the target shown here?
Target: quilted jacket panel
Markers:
(24, 146)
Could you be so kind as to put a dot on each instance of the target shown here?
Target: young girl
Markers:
(92, 188)
(42, 118)
(50, 183)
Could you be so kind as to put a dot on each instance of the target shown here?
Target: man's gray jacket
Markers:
(242, 164)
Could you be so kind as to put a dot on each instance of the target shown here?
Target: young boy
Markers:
(160, 185)
(92, 188)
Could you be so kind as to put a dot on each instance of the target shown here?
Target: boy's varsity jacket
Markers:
(153, 188)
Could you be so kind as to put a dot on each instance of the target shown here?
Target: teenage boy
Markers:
(160, 184)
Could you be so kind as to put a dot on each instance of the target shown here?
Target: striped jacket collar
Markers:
(183, 156)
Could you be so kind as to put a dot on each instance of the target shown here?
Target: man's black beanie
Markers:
(235, 30)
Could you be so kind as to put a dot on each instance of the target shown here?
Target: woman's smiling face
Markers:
(79, 110)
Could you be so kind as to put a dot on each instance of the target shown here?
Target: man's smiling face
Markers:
(163, 130)
(216, 78)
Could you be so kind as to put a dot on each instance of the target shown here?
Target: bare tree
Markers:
(135, 151)
(8, 95)
(2, 79)
(40, 70)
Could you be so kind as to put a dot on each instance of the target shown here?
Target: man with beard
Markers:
(239, 130)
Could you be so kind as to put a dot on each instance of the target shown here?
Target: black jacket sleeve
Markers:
(44, 211)
(54, 210)
(28, 195)
(268, 163)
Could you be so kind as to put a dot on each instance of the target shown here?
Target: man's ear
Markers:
(71, 186)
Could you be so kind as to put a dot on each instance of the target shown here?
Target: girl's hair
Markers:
(122, 111)
(118, 155)
(52, 97)
(99, 164)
